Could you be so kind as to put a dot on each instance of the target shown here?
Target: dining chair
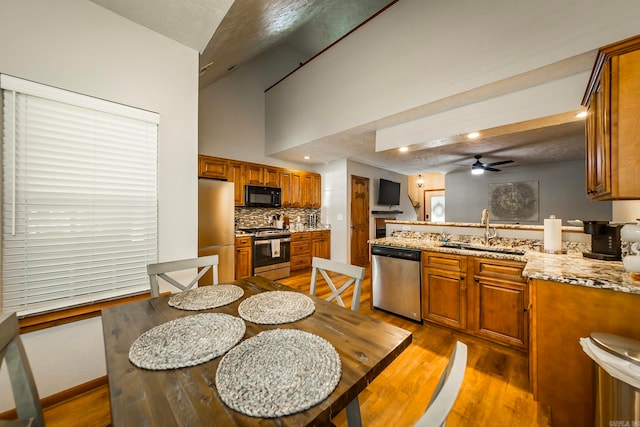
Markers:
(355, 274)
(447, 390)
(24, 389)
(160, 270)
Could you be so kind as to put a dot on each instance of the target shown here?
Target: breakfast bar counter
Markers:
(569, 297)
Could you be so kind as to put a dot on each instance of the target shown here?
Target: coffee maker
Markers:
(605, 240)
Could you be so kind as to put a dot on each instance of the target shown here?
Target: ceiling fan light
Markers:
(477, 171)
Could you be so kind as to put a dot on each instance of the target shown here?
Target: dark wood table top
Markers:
(188, 396)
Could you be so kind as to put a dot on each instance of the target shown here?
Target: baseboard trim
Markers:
(62, 396)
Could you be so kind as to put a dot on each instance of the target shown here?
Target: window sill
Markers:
(37, 322)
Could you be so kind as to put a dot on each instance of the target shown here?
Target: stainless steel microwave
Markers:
(256, 196)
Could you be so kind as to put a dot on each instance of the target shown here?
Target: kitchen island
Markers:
(567, 297)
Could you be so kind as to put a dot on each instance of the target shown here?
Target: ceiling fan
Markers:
(478, 167)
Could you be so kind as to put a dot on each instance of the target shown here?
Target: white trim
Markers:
(36, 89)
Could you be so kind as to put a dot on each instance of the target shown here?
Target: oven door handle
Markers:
(268, 241)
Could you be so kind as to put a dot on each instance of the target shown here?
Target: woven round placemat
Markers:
(206, 297)
(187, 341)
(278, 372)
(276, 307)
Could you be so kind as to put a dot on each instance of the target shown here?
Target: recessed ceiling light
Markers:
(473, 135)
(581, 115)
(403, 149)
(306, 157)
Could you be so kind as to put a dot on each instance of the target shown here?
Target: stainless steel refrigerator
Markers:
(216, 228)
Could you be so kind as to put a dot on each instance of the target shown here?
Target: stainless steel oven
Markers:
(271, 252)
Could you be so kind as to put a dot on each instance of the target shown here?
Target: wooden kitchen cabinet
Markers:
(444, 289)
(612, 99)
(311, 193)
(271, 176)
(291, 184)
(498, 302)
(244, 256)
(561, 374)
(261, 175)
(321, 244)
(212, 167)
(253, 174)
(299, 189)
(300, 250)
(235, 174)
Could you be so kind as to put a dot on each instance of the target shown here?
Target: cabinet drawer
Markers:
(320, 235)
(444, 261)
(300, 261)
(501, 269)
(243, 242)
(295, 237)
(298, 248)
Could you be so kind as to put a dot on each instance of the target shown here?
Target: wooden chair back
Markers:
(447, 390)
(355, 274)
(23, 385)
(160, 270)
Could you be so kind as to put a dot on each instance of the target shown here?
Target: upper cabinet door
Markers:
(253, 174)
(212, 167)
(613, 123)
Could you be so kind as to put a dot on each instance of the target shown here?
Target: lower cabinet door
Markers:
(444, 298)
(499, 311)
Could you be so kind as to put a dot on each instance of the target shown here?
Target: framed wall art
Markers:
(514, 201)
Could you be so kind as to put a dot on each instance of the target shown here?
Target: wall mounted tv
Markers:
(388, 193)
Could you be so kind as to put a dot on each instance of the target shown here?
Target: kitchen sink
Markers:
(469, 247)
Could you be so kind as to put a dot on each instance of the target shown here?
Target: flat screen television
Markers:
(388, 193)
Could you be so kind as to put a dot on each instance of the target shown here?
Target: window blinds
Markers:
(79, 201)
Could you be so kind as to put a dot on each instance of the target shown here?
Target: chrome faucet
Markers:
(488, 234)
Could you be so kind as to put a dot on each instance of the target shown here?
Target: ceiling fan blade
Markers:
(487, 168)
(499, 163)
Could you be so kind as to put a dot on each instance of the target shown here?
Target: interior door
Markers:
(359, 220)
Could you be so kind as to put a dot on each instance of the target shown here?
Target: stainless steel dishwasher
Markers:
(396, 277)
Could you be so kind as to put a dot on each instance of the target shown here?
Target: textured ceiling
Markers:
(230, 33)
(555, 139)
(190, 22)
(252, 27)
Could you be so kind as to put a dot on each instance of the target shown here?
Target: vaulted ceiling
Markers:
(230, 33)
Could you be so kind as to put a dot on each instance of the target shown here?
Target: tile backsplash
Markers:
(262, 217)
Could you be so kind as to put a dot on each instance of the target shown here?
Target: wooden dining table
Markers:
(188, 396)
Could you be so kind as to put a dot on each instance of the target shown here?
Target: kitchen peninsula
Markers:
(560, 298)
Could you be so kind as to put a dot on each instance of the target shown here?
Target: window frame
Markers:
(61, 315)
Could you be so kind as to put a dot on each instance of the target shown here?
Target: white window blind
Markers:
(79, 198)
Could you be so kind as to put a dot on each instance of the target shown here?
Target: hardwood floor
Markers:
(495, 390)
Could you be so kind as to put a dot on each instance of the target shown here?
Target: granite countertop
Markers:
(570, 268)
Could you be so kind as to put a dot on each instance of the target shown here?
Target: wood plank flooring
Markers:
(495, 390)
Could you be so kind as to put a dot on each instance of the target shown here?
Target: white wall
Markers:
(561, 192)
(79, 46)
(626, 210)
(335, 191)
(231, 110)
(418, 52)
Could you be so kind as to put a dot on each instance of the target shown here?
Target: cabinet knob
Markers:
(476, 279)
